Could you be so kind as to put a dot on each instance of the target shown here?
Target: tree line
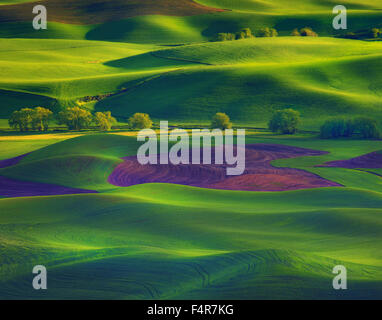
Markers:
(246, 33)
(367, 128)
(372, 33)
(286, 122)
(74, 118)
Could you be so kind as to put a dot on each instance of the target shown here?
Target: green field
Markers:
(247, 79)
(167, 241)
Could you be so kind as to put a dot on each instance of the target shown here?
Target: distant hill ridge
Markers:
(101, 11)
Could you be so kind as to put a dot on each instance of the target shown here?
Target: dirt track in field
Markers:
(370, 161)
(259, 174)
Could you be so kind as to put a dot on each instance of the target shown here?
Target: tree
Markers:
(367, 127)
(336, 128)
(104, 120)
(296, 33)
(225, 37)
(221, 121)
(221, 37)
(284, 121)
(75, 118)
(308, 32)
(267, 32)
(21, 119)
(40, 118)
(140, 121)
(245, 33)
(375, 32)
(14, 121)
(240, 35)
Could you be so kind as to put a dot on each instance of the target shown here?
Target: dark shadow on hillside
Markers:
(100, 11)
(219, 26)
(146, 61)
(14, 100)
(112, 31)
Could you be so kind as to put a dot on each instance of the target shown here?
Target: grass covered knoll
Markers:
(167, 241)
(250, 79)
(205, 243)
(16, 145)
(87, 160)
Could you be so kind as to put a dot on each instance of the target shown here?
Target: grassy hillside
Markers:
(86, 160)
(174, 242)
(206, 243)
(247, 79)
(167, 241)
(99, 11)
(164, 21)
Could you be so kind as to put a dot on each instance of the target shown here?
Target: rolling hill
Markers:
(124, 52)
(165, 240)
(100, 11)
(247, 79)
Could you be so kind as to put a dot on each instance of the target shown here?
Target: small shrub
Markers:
(240, 35)
(221, 37)
(296, 33)
(267, 32)
(285, 121)
(226, 37)
(221, 121)
(308, 32)
(245, 33)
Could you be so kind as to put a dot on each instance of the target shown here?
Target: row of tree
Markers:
(76, 118)
(286, 122)
(142, 121)
(367, 128)
(246, 33)
(304, 32)
(31, 119)
(364, 34)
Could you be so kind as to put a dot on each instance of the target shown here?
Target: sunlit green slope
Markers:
(248, 79)
(163, 241)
